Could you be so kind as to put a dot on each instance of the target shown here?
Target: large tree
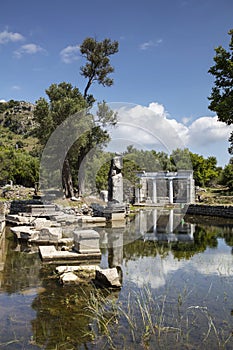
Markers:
(222, 93)
(97, 67)
(66, 101)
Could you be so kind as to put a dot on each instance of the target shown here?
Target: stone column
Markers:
(170, 191)
(154, 194)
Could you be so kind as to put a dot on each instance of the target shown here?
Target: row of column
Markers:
(170, 191)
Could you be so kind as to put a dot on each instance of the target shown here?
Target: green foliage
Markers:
(222, 93)
(17, 116)
(148, 160)
(205, 171)
(227, 176)
(18, 166)
(98, 65)
(64, 101)
(181, 159)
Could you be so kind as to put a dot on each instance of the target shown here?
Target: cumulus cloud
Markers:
(205, 130)
(156, 270)
(70, 54)
(7, 36)
(29, 49)
(147, 127)
(152, 270)
(148, 44)
(151, 127)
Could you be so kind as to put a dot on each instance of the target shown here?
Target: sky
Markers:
(166, 48)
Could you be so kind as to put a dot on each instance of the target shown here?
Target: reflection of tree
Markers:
(226, 232)
(203, 238)
(20, 270)
(140, 248)
(62, 320)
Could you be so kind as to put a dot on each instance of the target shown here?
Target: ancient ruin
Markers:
(165, 187)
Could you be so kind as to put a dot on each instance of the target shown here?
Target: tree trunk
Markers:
(67, 180)
(81, 172)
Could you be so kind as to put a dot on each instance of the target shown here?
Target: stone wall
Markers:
(225, 211)
(16, 206)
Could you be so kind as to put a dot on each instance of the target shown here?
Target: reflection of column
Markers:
(171, 217)
(155, 221)
(170, 191)
(115, 248)
(154, 192)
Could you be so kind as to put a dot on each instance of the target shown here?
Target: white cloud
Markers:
(156, 270)
(70, 54)
(151, 128)
(2, 101)
(29, 49)
(186, 120)
(7, 36)
(148, 44)
(152, 270)
(147, 127)
(206, 130)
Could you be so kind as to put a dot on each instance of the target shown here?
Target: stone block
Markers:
(108, 277)
(50, 233)
(86, 241)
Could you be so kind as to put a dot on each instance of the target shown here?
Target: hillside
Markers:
(17, 116)
(19, 160)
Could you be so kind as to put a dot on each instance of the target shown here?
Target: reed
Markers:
(148, 322)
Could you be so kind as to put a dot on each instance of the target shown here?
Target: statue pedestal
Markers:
(86, 241)
(115, 211)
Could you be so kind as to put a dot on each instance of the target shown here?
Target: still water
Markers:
(176, 292)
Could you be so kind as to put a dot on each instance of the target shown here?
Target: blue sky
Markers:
(165, 51)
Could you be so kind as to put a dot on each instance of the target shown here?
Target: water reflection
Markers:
(159, 252)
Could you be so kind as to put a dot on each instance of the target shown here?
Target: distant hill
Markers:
(17, 125)
(17, 116)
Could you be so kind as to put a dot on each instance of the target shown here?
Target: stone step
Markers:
(51, 254)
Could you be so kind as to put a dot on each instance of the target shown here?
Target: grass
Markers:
(144, 321)
(216, 196)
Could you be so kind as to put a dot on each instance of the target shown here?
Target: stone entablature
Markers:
(165, 187)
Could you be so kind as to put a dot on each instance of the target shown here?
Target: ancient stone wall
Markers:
(225, 211)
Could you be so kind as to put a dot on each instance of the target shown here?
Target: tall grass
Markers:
(146, 321)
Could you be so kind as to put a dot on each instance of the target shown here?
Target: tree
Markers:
(18, 166)
(65, 101)
(227, 175)
(205, 171)
(222, 93)
(98, 65)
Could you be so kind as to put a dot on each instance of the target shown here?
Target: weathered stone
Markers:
(18, 219)
(72, 268)
(40, 223)
(25, 232)
(108, 277)
(69, 278)
(92, 219)
(86, 241)
(115, 180)
(50, 233)
(42, 210)
(51, 254)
